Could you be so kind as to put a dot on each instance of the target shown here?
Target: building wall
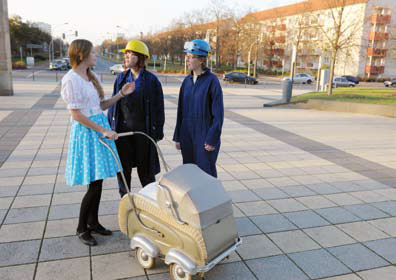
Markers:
(352, 61)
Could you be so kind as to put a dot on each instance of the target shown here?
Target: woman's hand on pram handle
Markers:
(127, 89)
(177, 145)
(109, 134)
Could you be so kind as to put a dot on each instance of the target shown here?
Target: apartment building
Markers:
(368, 36)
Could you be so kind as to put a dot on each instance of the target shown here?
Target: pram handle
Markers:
(169, 200)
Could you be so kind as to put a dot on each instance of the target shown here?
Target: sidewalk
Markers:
(313, 193)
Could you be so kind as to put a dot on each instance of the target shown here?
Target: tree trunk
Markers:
(332, 68)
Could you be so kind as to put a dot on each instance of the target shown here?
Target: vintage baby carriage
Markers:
(185, 218)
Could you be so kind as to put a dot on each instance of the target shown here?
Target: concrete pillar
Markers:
(5, 52)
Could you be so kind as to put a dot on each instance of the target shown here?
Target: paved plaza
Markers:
(313, 192)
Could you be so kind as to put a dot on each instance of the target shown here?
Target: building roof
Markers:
(298, 8)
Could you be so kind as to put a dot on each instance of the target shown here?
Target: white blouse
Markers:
(81, 94)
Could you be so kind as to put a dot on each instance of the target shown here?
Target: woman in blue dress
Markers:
(88, 161)
(200, 111)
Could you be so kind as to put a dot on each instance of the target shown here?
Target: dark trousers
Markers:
(134, 154)
(90, 206)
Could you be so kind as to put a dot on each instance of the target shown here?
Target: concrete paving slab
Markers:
(337, 215)
(319, 264)
(257, 246)
(329, 236)
(14, 253)
(277, 267)
(306, 219)
(63, 248)
(21, 232)
(25, 271)
(234, 271)
(384, 273)
(293, 241)
(385, 248)
(77, 268)
(357, 257)
(273, 223)
(24, 215)
(362, 231)
(366, 211)
(115, 266)
(256, 208)
(246, 227)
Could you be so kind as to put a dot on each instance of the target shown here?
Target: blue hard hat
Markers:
(197, 47)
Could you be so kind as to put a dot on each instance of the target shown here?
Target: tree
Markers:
(340, 32)
(22, 33)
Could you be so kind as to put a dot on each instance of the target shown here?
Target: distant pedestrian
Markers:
(88, 161)
(200, 111)
(142, 111)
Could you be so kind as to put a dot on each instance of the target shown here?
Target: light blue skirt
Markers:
(88, 160)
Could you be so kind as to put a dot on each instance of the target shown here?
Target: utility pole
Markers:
(5, 52)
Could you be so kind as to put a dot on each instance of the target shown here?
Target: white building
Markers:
(368, 35)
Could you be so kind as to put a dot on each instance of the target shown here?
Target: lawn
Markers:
(358, 95)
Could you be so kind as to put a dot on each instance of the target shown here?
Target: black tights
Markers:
(90, 206)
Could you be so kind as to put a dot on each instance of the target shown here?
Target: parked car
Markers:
(391, 83)
(58, 64)
(116, 69)
(67, 62)
(342, 82)
(303, 78)
(351, 79)
(239, 77)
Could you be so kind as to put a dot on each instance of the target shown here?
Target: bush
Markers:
(19, 65)
(40, 57)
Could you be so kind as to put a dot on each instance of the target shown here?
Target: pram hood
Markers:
(199, 199)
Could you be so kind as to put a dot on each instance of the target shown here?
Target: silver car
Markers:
(116, 69)
(391, 83)
(342, 82)
(303, 78)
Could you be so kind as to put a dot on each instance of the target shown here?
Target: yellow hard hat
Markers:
(138, 47)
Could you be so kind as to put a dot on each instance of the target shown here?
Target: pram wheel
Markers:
(178, 273)
(145, 260)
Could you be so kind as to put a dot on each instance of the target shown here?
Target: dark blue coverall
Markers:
(200, 116)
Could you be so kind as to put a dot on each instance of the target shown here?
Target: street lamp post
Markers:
(51, 46)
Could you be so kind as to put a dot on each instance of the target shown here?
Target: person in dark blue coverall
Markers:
(200, 111)
(143, 110)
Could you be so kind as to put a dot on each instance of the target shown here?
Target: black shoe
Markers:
(86, 238)
(100, 229)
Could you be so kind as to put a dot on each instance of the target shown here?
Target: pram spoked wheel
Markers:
(177, 272)
(145, 260)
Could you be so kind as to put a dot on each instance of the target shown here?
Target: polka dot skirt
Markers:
(88, 160)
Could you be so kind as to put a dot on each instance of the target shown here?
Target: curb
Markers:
(346, 107)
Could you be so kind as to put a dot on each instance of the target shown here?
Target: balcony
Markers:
(278, 52)
(273, 63)
(271, 28)
(281, 27)
(379, 36)
(280, 39)
(277, 63)
(375, 69)
(376, 52)
(380, 19)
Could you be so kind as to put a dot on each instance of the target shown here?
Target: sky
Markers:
(98, 20)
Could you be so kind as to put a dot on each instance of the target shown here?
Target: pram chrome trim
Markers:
(190, 267)
(139, 241)
(220, 257)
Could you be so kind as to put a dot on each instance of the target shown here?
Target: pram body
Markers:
(185, 218)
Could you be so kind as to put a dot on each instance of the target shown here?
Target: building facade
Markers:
(366, 45)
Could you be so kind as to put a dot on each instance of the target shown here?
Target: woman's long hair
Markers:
(78, 51)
